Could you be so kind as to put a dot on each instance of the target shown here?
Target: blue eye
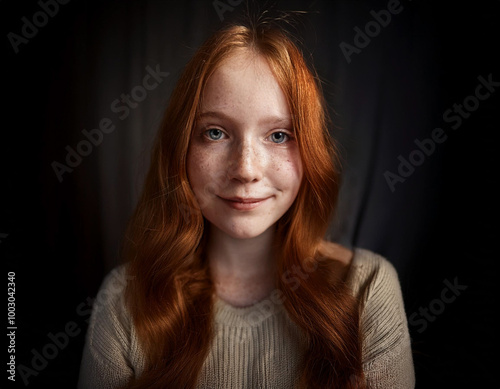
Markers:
(279, 137)
(214, 133)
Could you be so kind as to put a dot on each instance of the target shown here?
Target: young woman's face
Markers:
(243, 163)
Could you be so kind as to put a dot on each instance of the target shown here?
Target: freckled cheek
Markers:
(196, 166)
(287, 172)
(202, 168)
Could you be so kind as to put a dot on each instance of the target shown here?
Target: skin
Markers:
(242, 148)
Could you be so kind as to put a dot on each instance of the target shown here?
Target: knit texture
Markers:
(257, 346)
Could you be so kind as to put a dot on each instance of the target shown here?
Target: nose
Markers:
(246, 163)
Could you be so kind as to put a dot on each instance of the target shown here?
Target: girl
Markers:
(228, 282)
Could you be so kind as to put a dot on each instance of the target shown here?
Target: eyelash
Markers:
(287, 135)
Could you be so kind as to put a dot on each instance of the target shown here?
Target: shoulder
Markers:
(109, 328)
(386, 341)
(365, 270)
(111, 353)
(369, 270)
(336, 252)
(338, 256)
(111, 295)
(375, 283)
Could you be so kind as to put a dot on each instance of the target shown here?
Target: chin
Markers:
(241, 229)
(244, 233)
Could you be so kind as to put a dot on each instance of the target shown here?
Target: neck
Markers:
(241, 258)
(242, 269)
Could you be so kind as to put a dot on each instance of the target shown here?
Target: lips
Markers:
(244, 203)
(245, 199)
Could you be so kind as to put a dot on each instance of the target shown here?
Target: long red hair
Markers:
(170, 298)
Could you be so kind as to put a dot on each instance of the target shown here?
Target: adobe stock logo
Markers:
(30, 28)
(436, 307)
(293, 276)
(56, 344)
(427, 146)
(372, 29)
(221, 7)
(121, 106)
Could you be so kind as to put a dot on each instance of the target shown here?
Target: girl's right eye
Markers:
(214, 134)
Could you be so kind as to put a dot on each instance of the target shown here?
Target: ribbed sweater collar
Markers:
(249, 316)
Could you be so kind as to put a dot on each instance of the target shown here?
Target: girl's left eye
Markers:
(279, 137)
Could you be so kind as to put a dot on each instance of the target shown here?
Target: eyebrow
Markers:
(273, 119)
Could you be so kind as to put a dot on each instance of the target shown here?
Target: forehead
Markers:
(244, 84)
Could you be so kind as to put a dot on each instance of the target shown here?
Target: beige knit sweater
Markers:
(257, 346)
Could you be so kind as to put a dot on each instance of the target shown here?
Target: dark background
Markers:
(61, 238)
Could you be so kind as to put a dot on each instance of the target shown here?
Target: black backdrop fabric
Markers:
(413, 92)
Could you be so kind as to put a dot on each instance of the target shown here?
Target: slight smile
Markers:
(243, 204)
